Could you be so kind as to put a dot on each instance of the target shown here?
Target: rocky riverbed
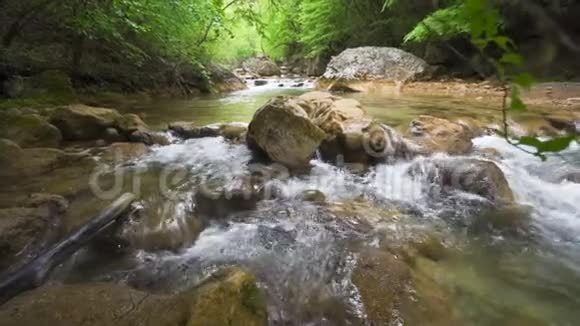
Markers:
(308, 209)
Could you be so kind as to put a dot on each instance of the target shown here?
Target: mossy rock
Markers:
(28, 130)
(81, 122)
(9, 150)
(129, 123)
(229, 297)
(94, 304)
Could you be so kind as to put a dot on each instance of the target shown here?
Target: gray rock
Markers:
(261, 66)
(382, 63)
(479, 177)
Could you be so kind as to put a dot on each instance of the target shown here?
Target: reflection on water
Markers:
(304, 256)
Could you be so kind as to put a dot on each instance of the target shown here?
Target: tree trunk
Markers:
(35, 272)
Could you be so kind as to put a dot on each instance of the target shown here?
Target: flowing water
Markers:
(304, 257)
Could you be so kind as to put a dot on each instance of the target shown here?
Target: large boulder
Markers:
(289, 130)
(224, 80)
(28, 130)
(479, 177)
(351, 135)
(434, 134)
(81, 122)
(282, 130)
(376, 63)
(261, 66)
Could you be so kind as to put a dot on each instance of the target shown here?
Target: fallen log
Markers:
(34, 273)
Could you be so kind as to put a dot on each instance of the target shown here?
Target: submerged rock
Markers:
(214, 200)
(314, 196)
(479, 177)
(282, 130)
(28, 130)
(440, 135)
(376, 63)
(393, 293)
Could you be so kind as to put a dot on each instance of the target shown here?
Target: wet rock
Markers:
(129, 123)
(8, 150)
(392, 293)
(490, 154)
(29, 130)
(298, 84)
(366, 142)
(511, 217)
(381, 279)
(431, 247)
(149, 138)
(483, 178)
(33, 200)
(112, 135)
(93, 304)
(283, 131)
(363, 215)
(214, 200)
(224, 80)
(234, 131)
(261, 66)
(376, 63)
(121, 152)
(229, 297)
(260, 82)
(47, 170)
(81, 122)
(434, 134)
(572, 177)
(314, 196)
(22, 231)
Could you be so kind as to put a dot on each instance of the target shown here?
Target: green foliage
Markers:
(443, 23)
(325, 24)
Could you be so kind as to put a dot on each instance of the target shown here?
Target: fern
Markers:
(443, 23)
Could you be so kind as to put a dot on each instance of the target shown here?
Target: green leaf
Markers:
(512, 58)
(524, 80)
(516, 103)
(553, 145)
(503, 42)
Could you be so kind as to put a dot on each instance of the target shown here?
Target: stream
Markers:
(304, 257)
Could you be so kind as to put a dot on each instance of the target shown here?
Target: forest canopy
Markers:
(112, 41)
